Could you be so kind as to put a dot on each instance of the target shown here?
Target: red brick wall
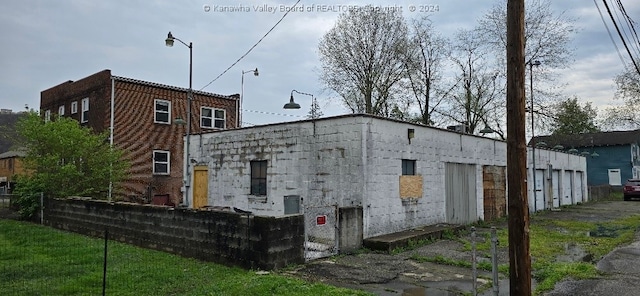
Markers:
(96, 87)
(134, 129)
(136, 133)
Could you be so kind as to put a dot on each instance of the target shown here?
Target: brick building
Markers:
(141, 115)
(10, 166)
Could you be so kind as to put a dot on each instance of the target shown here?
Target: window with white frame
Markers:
(212, 118)
(47, 115)
(161, 162)
(85, 110)
(74, 107)
(162, 111)
(61, 110)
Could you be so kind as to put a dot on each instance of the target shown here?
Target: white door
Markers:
(460, 190)
(579, 188)
(614, 177)
(555, 187)
(567, 187)
(539, 191)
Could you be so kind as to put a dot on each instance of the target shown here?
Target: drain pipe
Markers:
(111, 123)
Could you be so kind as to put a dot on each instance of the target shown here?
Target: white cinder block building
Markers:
(368, 176)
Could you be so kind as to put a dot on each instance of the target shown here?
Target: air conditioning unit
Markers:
(460, 128)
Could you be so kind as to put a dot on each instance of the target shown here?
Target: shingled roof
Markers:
(592, 139)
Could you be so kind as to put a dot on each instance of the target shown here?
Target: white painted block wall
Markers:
(350, 160)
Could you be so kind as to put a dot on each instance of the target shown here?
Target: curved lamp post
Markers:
(239, 111)
(293, 105)
(187, 166)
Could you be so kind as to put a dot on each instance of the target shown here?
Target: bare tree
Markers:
(362, 58)
(547, 35)
(476, 88)
(628, 90)
(547, 39)
(426, 56)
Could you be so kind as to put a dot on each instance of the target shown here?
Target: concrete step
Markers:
(389, 242)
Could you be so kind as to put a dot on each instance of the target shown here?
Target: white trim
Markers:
(156, 111)
(168, 162)
(85, 108)
(213, 119)
(74, 107)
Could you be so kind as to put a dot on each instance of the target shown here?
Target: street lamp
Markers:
(487, 130)
(293, 105)
(187, 166)
(533, 140)
(239, 111)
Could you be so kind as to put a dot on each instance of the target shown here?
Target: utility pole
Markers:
(519, 256)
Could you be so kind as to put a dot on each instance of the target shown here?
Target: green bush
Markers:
(28, 190)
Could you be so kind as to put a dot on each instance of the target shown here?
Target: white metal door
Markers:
(579, 188)
(460, 188)
(539, 191)
(555, 184)
(567, 188)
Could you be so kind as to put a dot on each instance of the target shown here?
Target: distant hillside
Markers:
(8, 131)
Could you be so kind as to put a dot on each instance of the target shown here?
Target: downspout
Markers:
(111, 122)
(238, 109)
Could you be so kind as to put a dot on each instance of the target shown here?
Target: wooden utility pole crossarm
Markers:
(519, 256)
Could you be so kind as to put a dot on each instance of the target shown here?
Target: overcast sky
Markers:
(48, 42)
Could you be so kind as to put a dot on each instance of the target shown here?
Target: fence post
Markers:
(494, 261)
(473, 261)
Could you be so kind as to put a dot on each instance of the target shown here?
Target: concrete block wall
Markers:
(571, 185)
(229, 238)
(349, 161)
(388, 143)
(318, 161)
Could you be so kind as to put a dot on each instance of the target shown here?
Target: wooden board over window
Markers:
(410, 186)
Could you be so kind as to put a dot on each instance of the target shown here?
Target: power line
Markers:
(624, 29)
(252, 47)
(624, 42)
(630, 24)
(624, 63)
(272, 113)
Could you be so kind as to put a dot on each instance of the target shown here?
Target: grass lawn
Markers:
(36, 260)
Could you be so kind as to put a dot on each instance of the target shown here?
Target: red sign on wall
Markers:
(321, 220)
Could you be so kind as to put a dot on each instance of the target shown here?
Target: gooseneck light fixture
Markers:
(186, 175)
(239, 111)
(293, 105)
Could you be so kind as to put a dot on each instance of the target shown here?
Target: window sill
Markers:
(258, 198)
(410, 201)
(212, 128)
